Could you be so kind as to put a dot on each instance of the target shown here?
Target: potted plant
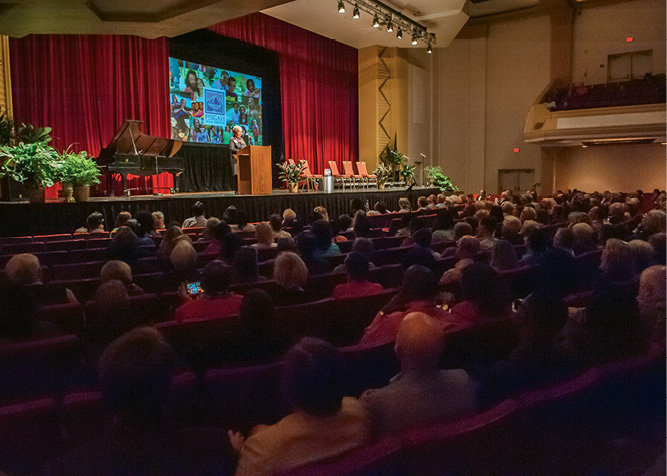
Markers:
(35, 165)
(440, 180)
(6, 129)
(392, 158)
(382, 174)
(292, 174)
(27, 133)
(78, 172)
(407, 172)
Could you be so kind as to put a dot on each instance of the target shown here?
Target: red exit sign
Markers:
(629, 39)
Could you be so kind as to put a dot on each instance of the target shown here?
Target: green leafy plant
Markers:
(408, 173)
(291, 173)
(440, 180)
(6, 128)
(382, 174)
(391, 157)
(36, 165)
(28, 134)
(78, 170)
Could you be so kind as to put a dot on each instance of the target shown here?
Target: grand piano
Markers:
(133, 152)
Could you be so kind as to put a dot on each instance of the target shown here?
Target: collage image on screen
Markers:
(206, 102)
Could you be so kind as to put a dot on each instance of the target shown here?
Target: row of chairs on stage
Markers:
(348, 177)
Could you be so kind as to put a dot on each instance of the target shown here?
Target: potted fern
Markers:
(292, 175)
(79, 172)
(35, 165)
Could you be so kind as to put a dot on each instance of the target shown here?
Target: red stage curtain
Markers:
(319, 92)
(85, 86)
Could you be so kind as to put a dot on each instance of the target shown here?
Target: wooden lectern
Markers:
(254, 171)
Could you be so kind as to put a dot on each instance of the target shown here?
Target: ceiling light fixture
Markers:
(429, 50)
(384, 15)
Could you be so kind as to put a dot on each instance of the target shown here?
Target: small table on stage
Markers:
(254, 170)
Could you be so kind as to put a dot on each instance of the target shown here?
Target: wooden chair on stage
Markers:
(363, 171)
(311, 178)
(337, 175)
(349, 170)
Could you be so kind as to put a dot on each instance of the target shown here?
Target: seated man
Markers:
(197, 219)
(121, 271)
(418, 294)
(466, 250)
(94, 224)
(24, 270)
(135, 376)
(323, 423)
(216, 302)
(357, 284)
(421, 392)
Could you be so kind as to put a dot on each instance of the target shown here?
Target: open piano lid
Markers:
(122, 143)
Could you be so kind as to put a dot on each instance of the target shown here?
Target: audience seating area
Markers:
(49, 403)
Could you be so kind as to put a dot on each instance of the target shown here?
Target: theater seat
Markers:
(29, 435)
(38, 368)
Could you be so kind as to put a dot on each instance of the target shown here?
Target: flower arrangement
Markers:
(78, 170)
(382, 174)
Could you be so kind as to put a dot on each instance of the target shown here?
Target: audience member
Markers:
(441, 394)
(115, 270)
(264, 235)
(361, 225)
(135, 376)
(511, 230)
(356, 265)
(485, 296)
(290, 274)
(19, 316)
(94, 224)
(421, 253)
(24, 270)
(444, 227)
(466, 250)
(658, 243)
(158, 220)
(122, 219)
(276, 226)
(197, 220)
(485, 234)
(642, 254)
(324, 244)
(145, 229)
(320, 210)
(584, 238)
(183, 269)
(651, 300)
(404, 205)
(245, 266)
(208, 233)
(307, 245)
(538, 242)
(418, 294)
(564, 240)
(323, 422)
(503, 256)
(171, 237)
(124, 246)
(216, 302)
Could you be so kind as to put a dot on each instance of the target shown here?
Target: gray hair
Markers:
(236, 128)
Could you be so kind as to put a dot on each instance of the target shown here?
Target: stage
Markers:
(22, 218)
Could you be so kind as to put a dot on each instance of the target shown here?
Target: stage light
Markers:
(399, 34)
(428, 48)
(376, 21)
(355, 12)
(414, 39)
(341, 6)
(390, 25)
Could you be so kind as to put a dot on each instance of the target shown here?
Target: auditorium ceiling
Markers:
(147, 18)
(154, 18)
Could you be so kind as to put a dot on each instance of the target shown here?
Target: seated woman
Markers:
(183, 261)
(220, 231)
(357, 284)
(259, 339)
(485, 295)
(323, 423)
(264, 235)
(172, 235)
(120, 271)
(216, 302)
(290, 274)
(245, 266)
(307, 244)
(325, 245)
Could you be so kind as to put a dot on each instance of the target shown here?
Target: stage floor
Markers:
(57, 216)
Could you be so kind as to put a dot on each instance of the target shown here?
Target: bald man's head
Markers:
(419, 342)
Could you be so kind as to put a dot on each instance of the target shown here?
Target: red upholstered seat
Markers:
(65, 245)
(30, 435)
(68, 317)
(40, 367)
